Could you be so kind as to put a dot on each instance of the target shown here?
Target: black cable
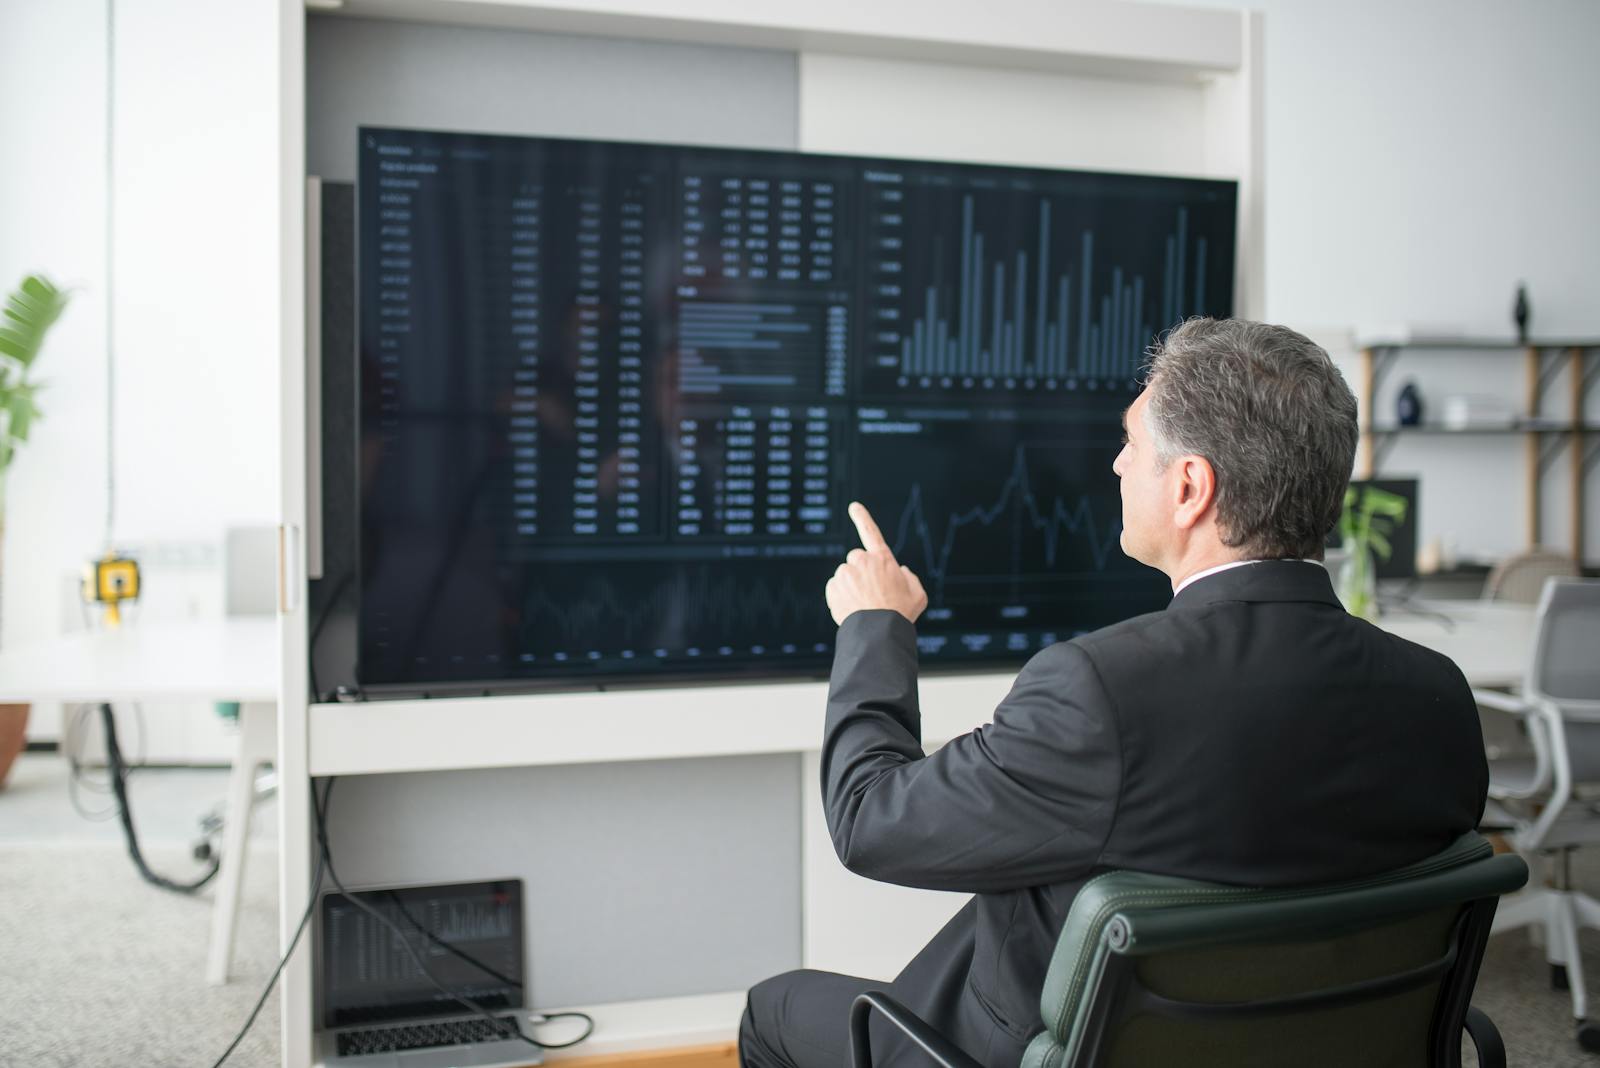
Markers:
(305, 917)
(400, 907)
(119, 787)
(546, 1017)
(316, 629)
(73, 733)
(1405, 601)
(405, 943)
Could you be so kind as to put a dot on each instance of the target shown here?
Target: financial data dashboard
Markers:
(615, 397)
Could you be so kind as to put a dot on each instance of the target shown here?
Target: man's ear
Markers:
(1196, 490)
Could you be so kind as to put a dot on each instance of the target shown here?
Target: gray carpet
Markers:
(102, 969)
(98, 968)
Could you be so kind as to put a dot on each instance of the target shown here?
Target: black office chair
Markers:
(1156, 970)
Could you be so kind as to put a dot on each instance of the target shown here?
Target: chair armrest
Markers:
(1501, 702)
(944, 1052)
(1485, 1039)
(1576, 710)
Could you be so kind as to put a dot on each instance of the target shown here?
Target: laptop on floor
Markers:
(376, 1009)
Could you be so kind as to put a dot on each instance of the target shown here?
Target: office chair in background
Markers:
(1151, 969)
(1540, 797)
(1519, 578)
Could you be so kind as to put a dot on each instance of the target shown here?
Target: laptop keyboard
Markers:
(425, 1035)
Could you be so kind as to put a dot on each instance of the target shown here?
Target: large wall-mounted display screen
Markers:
(615, 398)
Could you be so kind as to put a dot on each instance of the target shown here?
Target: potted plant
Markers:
(1370, 514)
(27, 317)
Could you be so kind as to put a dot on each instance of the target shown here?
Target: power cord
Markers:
(326, 861)
(305, 917)
(119, 788)
(1404, 600)
(74, 733)
(316, 628)
(394, 899)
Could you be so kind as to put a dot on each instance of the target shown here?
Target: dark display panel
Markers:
(615, 398)
(1401, 563)
(468, 934)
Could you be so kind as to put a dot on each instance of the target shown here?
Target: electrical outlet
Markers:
(160, 554)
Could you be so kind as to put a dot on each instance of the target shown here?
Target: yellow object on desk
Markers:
(111, 580)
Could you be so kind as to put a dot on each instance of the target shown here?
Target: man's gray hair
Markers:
(1272, 414)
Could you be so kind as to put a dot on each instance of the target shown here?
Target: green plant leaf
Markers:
(1347, 518)
(25, 319)
(1388, 504)
(29, 313)
(1379, 542)
(24, 410)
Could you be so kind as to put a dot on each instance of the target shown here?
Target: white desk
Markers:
(222, 660)
(1490, 641)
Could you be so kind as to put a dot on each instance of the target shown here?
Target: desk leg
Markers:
(258, 743)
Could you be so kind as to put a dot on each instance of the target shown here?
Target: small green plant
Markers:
(1370, 516)
(27, 317)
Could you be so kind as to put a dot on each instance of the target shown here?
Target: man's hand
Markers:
(870, 577)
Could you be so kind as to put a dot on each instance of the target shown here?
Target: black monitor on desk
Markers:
(1401, 562)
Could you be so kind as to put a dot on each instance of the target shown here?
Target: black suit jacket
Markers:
(1253, 733)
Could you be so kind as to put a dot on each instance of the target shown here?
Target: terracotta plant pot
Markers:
(13, 736)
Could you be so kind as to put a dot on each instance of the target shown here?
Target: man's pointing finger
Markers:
(871, 536)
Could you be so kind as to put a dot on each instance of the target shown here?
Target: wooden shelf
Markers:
(1543, 438)
(683, 1032)
(720, 1055)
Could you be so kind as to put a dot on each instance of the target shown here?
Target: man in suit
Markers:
(1253, 733)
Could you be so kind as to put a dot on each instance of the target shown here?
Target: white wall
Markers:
(52, 221)
(194, 354)
(196, 180)
(1421, 158)
(1424, 156)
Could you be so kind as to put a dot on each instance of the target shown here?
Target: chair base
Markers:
(1558, 915)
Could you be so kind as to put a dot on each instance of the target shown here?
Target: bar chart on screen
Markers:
(1051, 289)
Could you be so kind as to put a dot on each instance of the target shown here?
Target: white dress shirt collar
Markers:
(1198, 575)
(1211, 571)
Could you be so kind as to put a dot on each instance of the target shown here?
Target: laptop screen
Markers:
(468, 935)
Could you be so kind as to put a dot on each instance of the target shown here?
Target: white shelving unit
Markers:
(1184, 80)
(375, 737)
